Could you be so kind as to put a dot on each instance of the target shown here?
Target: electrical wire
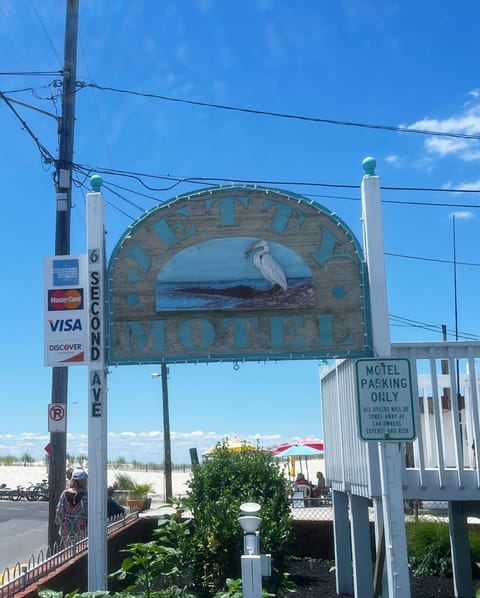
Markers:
(431, 259)
(408, 322)
(45, 32)
(97, 108)
(46, 155)
(30, 73)
(112, 205)
(231, 180)
(313, 119)
(122, 197)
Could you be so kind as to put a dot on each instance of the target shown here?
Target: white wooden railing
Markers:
(441, 464)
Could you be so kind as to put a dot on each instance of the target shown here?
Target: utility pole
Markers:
(167, 447)
(166, 434)
(63, 186)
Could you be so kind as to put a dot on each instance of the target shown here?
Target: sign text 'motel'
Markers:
(237, 273)
(385, 400)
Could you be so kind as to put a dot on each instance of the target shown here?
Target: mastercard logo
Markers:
(65, 299)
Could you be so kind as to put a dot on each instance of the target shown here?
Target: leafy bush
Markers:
(429, 548)
(428, 544)
(216, 490)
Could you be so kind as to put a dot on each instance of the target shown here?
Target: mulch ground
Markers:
(315, 579)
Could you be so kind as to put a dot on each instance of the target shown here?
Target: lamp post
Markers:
(167, 451)
(253, 564)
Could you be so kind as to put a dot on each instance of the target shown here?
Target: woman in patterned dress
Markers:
(72, 509)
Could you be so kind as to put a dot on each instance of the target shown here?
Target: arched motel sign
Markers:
(230, 274)
(237, 273)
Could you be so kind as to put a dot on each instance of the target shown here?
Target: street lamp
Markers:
(167, 449)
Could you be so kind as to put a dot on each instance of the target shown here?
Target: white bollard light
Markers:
(251, 558)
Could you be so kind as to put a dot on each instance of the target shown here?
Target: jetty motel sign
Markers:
(229, 274)
(235, 274)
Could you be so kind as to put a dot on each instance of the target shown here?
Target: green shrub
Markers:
(429, 550)
(216, 490)
(428, 545)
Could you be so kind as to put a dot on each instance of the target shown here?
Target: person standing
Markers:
(114, 508)
(72, 509)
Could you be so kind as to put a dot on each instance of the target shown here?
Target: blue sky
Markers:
(392, 64)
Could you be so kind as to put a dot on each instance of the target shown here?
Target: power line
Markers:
(123, 198)
(431, 259)
(84, 186)
(45, 32)
(286, 115)
(46, 155)
(402, 321)
(243, 181)
(30, 73)
(97, 108)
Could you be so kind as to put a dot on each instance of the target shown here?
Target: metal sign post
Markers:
(97, 393)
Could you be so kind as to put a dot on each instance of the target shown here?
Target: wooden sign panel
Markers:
(237, 273)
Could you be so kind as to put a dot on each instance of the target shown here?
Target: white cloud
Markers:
(394, 160)
(146, 447)
(463, 215)
(466, 122)
(468, 186)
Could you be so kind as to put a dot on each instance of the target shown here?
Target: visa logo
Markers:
(68, 325)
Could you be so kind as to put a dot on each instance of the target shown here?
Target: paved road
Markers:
(23, 531)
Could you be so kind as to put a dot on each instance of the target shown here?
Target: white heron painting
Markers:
(268, 267)
(234, 273)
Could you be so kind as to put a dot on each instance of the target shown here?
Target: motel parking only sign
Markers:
(385, 400)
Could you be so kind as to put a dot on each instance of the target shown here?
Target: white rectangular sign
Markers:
(385, 400)
(57, 417)
(65, 319)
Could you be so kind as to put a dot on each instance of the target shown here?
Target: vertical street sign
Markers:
(97, 392)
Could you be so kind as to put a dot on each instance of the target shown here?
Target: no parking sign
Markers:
(57, 417)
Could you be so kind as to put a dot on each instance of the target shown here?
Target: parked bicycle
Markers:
(33, 492)
(41, 489)
(22, 492)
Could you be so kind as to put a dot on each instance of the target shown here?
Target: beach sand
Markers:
(19, 475)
